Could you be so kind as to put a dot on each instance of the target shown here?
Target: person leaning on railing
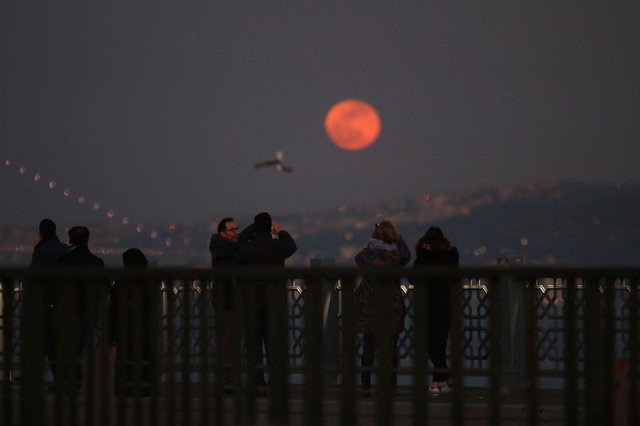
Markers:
(433, 249)
(45, 255)
(224, 248)
(135, 324)
(76, 292)
(385, 249)
(264, 243)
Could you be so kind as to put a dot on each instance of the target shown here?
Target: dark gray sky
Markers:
(158, 110)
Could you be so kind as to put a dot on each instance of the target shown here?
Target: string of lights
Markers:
(84, 200)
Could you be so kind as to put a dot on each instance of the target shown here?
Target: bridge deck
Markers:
(476, 409)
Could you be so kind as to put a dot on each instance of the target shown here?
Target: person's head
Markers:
(79, 236)
(386, 232)
(262, 223)
(434, 234)
(434, 238)
(47, 228)
(228, 229)
(134, 258)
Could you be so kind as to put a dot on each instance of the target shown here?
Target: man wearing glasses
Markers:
(223, 247)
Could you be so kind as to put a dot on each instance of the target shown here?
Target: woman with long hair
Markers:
(385, 249)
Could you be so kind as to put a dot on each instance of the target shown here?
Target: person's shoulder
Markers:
(244, 247)
(97, 260)
(66, 256)
(224, 252)
(92, 259)
(80, 256)
(285, 236)
(449, 256)
(215, 241)
(424, 252)
(51, 244)
(453, 251)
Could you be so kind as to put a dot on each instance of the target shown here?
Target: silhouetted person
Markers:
(135, 318)
(268, 245)
(224, 248)
(433, 249)
(385, 249)
(46, 254)
(73, 296)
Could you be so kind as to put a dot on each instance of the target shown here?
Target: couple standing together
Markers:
(263, 243)
(387, 249)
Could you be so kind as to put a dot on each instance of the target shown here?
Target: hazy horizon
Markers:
(160, 113)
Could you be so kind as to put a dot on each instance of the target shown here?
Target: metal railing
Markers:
(525, 330)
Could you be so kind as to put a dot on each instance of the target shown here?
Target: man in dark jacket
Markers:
(46, 254)
(224, 247)
(267, 245)
(49, 247)
(75, 292)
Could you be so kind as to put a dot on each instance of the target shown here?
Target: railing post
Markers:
(330, 325)
(513, 295)
(313, 349)
(633, 413)
(6, 348)
(33, 348)
(595, 367)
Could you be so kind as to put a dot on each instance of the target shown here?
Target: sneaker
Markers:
(434, 391)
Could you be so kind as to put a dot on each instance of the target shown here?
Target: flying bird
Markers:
(275, 162)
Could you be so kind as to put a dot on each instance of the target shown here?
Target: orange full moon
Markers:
(352, 124)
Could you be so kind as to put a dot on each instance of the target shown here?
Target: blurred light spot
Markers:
(172, 227)
(405, 285)
(7, 162)
(36, 177)
(96, 206)
(480, 251)
(22, 170)
(81, 199)
(140, 228)
(125, 220)
(348, 236)
(524, 241)
(52, 184)
(110, 214)
(66, 192)
(168, 242)
(154, 234)
(425, 197)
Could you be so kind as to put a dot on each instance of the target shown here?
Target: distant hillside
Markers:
(568, 224)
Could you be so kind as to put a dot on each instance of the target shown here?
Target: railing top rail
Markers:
(316, 272)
